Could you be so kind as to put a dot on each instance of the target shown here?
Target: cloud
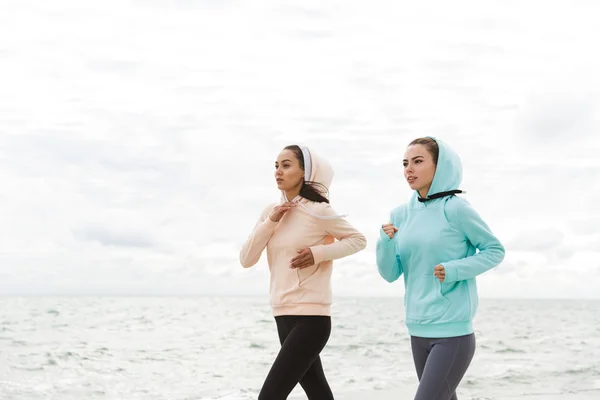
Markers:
(119, 239)
(548, 241)
(511, 267)
(538, 240)
(138, 160)
(590, 225)
(560, 117)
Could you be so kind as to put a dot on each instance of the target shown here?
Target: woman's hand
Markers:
(280, 210)
(389, 229)
(303, 259)
(439, 272)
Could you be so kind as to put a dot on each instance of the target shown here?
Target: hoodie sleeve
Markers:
(349, 240)
(388, 262)
(463, 216)
(258, 239)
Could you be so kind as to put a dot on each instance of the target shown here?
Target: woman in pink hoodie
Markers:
(299, 234)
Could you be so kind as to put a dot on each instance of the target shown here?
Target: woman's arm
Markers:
(258, 239)
(480, 237)
(349, 240)
(388, 262)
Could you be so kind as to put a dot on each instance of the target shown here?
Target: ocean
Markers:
(135, 136)
(201, 348)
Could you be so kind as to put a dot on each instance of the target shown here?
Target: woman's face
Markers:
(288, 173)
(419, 168)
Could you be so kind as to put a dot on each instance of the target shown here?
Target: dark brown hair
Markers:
(431, 146)
(312, 191)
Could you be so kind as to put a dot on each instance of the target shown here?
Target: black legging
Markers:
(302, 338)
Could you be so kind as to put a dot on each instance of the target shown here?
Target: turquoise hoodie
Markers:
(446, 231)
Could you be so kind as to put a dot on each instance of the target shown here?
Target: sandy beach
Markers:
(408, 395)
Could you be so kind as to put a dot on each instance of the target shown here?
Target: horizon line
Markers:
(6, 295)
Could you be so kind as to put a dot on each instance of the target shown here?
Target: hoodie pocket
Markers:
(306, 273)
(425, 301)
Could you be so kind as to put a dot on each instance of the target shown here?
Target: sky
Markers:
(138, 138)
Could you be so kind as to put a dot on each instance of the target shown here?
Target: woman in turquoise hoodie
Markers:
(433, 241)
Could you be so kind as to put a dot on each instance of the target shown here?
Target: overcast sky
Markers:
(137, 138)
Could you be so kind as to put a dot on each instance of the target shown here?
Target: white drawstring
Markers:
(297, 201)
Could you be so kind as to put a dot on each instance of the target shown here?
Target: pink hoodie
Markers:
(304, 291)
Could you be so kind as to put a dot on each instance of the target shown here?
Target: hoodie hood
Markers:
(448, 173)
(319, 170)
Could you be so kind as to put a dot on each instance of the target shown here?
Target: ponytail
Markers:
(313, 191)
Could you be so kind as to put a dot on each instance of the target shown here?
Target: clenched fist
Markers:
(389, 229)
(439, 272)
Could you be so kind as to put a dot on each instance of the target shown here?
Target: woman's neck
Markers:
(424, 192)
(292, 193)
